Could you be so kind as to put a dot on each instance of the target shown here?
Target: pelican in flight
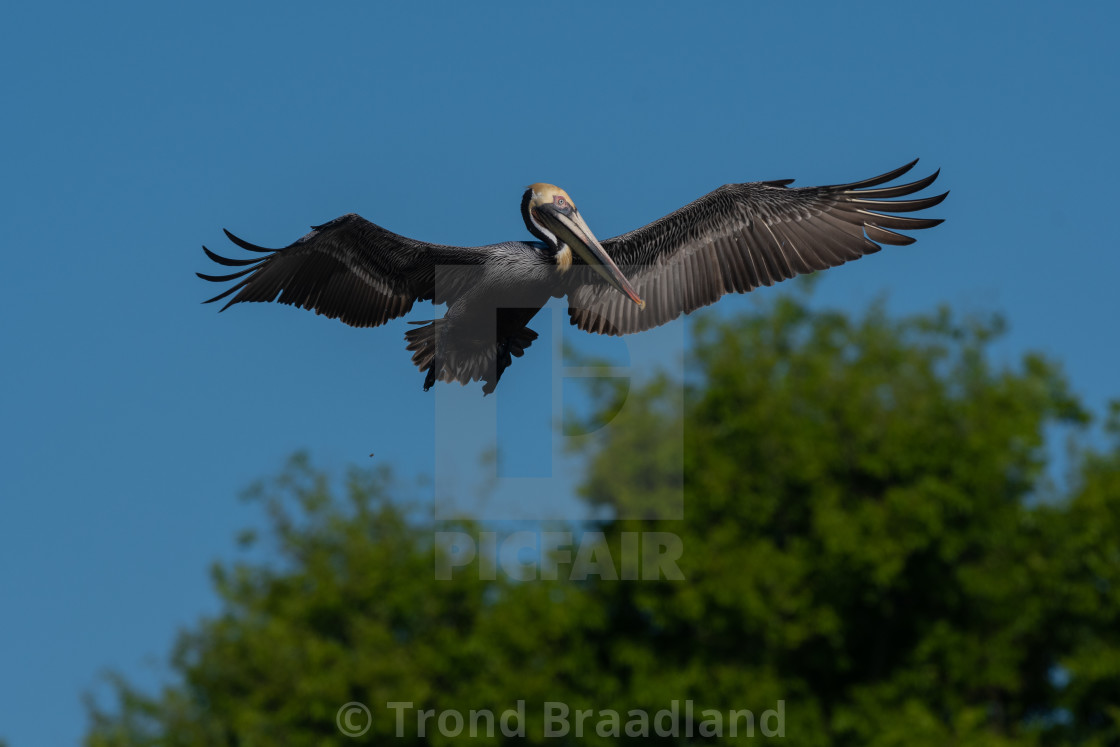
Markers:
(731, 240)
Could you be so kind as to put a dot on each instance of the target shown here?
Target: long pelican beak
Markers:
(570, 228)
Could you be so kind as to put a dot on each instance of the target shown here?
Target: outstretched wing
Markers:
(742, 236)
(349, 269)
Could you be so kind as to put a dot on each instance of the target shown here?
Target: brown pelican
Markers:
(731, 240)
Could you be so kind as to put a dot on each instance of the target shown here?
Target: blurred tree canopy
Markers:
(872, 535)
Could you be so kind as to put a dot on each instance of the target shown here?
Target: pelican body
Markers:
(732, 240)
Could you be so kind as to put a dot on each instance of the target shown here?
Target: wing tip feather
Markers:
(245, 244)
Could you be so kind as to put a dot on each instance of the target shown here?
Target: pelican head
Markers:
(552, 217)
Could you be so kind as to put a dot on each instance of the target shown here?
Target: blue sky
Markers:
(131, 416)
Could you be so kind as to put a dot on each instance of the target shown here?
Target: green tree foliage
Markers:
(871, 536)
(869, 530)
